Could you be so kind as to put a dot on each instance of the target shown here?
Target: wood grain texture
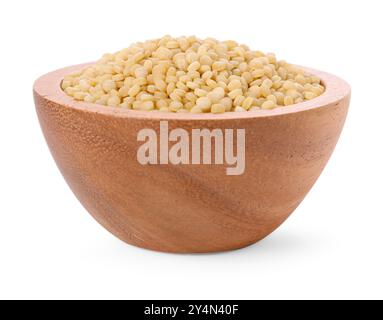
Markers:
(190, 208)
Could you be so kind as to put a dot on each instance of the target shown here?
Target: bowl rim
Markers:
(48, 87)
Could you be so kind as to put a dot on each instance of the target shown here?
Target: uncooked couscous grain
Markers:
(190, 75)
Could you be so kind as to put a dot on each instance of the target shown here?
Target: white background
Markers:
(331, 247)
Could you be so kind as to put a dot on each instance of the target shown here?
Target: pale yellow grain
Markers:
(89, 98)
(101, 101)
(140, 81)
(288, 100)
(133, 91)
(204, 103)
(174, 106)
(179, 92)
(163, 53)
(219, 65)
(272, 97)
(113, 101)
(175, 97)
(267, 83)
(301, 79)
(309, 95)
(65, 84)
(268, 105)
(206, 60)
(151, 88)
(218, 108)
(161, 104)
(125, 105)
(256, 63)
(211, 83)
(239, 109)
(146, 97)
(170, 88)
(247, 103)
(222, 85)
(190, 96)
(147, 105)
(227, 102)
(200, 93)
(207, 75)
(279, 98)
(222, 77)
(172, 44)
(271, 58)
(79, 95)
(140, 72)
(192, 85)
(258, 73)
(255, 91)
(282, 72)
(238, 100)
(288, 85)
(84, 85)
(196, 110)
(315, 79)
(236, 92)
(247, 76)
(160, 84)
(234, 84)
(108, 85)
(292, 93)
(318, 89)
(216, 94)
(181, 85)
(194, 66)
(265, 90)
(191, 56)
(148, 65)
(188, 105)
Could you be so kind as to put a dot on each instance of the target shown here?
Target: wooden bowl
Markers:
(190, 208)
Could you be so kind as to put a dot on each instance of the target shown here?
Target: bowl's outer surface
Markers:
(189, 208)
